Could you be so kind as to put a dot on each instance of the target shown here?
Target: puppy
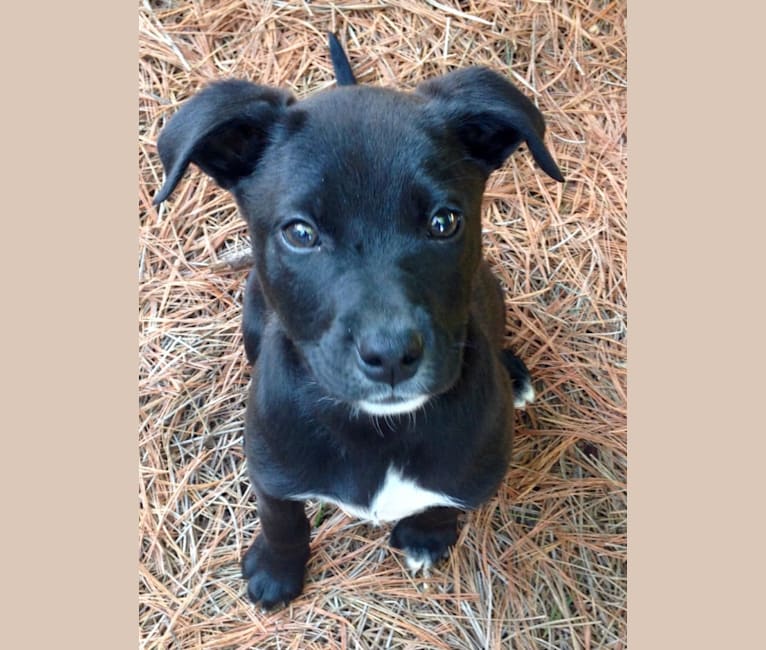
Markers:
(375, 327)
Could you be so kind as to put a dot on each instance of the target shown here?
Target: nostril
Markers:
(372, 360)
(414, 351)
(370, 353)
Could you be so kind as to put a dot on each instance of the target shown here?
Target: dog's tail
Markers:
(340, 64)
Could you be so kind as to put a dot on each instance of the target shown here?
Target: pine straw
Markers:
(543, 565)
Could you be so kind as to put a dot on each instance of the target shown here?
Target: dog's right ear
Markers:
(223, 130)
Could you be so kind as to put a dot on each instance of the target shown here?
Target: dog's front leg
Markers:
(426, 537)
(253, 316)
(275, 564)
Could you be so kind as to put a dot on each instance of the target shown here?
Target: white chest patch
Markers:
(397, 498)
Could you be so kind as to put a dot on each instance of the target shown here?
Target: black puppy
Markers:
(380, 383)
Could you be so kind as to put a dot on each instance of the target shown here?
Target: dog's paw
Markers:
(273, 579)
(423, 546)
(523, 393)
(420, 560)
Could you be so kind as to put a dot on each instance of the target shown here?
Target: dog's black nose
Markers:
(390, 357)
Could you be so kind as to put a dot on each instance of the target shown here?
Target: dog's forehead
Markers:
(362, 124)
(367, 148)
(361, 105)
(357, 156)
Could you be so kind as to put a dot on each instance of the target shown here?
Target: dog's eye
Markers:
(299, 234)
(444, 224)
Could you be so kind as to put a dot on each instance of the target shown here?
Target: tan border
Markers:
(69, 260)
(696, 271)
(695, 263)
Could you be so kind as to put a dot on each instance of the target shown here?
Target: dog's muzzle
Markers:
(390, 358)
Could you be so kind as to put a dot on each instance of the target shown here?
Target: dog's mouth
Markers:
(335, 367)
(392, 405)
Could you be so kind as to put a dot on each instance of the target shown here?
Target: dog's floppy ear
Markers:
(490, 117)
(223, 130)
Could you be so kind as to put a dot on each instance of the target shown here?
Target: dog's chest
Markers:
(396, 498)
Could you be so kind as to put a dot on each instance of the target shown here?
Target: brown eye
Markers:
(300, 235)
(444, 223)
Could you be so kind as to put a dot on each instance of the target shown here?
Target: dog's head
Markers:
(364, 207)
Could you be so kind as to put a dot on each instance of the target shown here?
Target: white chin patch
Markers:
(397, 408)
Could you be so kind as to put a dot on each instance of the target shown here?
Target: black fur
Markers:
(344, 75)
(357, 299)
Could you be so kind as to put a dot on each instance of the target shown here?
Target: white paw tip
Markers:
(417, 562)
(524, 397)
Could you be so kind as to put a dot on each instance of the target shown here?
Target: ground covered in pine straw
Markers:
(543, 565)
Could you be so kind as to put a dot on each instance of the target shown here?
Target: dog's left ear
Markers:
(223, 130)
(490, 117)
